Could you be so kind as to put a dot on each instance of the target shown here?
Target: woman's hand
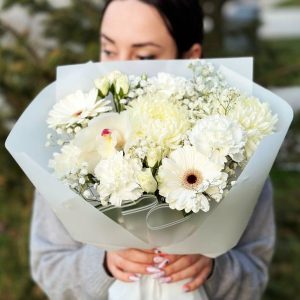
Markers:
(129, 264)
(197, 267)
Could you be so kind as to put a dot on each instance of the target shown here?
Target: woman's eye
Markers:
(146, 57)
(108, 52)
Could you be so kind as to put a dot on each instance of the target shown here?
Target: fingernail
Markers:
(158, 259)
(165, 280)
(163, 263)
(185, 289)
(158, 275)
(156, 251)
(153, 270)
(138, 275)
(134, 278)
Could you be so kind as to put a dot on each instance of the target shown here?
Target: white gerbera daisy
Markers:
(104, 136)
(76, 107)
(186, 177)
(218, 137)
(118, 179)
(256, 119)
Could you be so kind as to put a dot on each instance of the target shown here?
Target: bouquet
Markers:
(165, 154)
(184, 140)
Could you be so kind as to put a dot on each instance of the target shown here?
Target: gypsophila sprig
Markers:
(183, 139)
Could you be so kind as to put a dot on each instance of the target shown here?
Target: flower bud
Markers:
(122, 85)
(112, 77)
(103, 85)
(153, 156)
(147, 181)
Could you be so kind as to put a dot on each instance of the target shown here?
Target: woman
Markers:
(65, 269)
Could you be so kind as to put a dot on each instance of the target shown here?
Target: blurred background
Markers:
(38, 35)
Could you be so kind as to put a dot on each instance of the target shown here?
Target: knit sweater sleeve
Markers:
(242, 273)
(63, 268)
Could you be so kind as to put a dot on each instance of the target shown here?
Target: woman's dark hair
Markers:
(183, 18)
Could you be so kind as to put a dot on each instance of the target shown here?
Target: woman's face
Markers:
(134, 30)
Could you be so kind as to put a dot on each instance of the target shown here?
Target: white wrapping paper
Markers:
(149, 289)
(217, 233)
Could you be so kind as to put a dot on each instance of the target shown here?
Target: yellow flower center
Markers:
(157, 114)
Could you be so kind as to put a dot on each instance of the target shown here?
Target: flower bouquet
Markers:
(157, 153)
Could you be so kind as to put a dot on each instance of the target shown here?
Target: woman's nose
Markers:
(125, 55)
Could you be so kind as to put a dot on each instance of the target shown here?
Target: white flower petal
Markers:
(68, 161)
(256, 119)
(95, 145)
(118, 179)
(75, 108)
(158, 122)
(185, 176)
(218, 136)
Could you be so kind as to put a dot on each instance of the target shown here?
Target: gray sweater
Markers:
(66, 269)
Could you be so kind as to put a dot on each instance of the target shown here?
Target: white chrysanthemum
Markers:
(118, 179)
(76, 107)
(216, 189)
(159, 123)
(256, 119)
(217, 137)
(67, 162)
(104, 136)
(168, 85)
(187, 178)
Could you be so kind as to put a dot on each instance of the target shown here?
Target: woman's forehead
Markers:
(133, 22)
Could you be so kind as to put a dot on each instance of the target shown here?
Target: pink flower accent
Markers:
(105, 132)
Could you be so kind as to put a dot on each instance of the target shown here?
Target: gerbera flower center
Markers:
(192, 179)
(78, 113)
